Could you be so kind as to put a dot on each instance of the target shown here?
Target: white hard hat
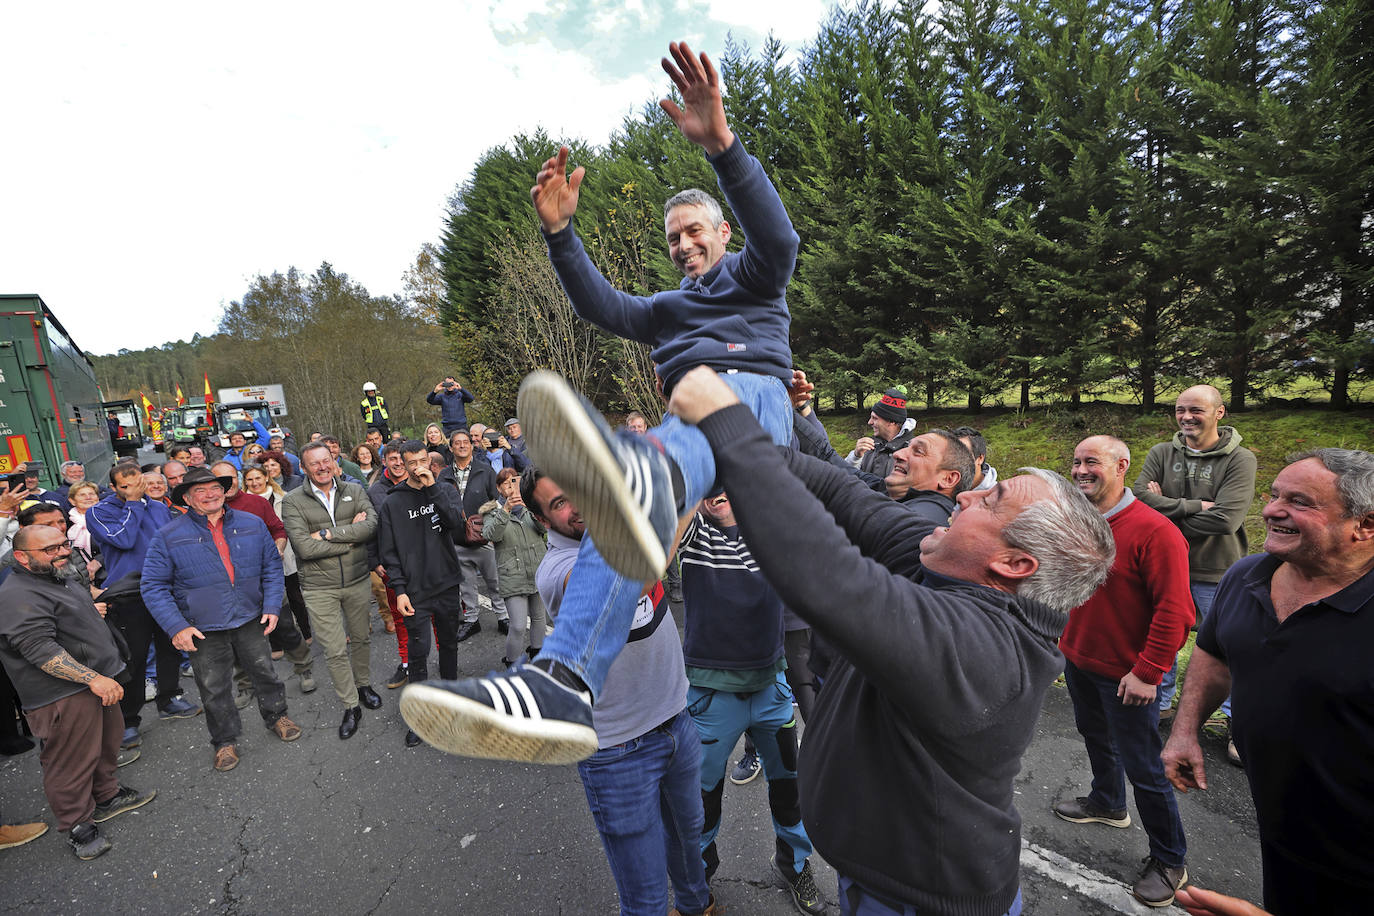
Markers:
(369, 386)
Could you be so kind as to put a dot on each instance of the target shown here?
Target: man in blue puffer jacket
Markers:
(213, 580)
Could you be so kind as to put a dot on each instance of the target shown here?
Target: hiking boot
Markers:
(1218, 725)
(1158, 882)
(12, 835)
(178, 708)
(399, 678)
(522, 714)
(620, 482)
(285, 729)
(805, 897)
(126, 799)
(226, 758)
(712, 909)
(1082, 811)
(86, 841)
(746, 771)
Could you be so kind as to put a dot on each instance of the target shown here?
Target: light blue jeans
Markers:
(1203, 593)
(599, 606)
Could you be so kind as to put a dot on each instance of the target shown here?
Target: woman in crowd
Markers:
(257, 482)
(82, 496)
(366, 458)
(519, 541)
(253, 453)
(435, 441)
(279, 471)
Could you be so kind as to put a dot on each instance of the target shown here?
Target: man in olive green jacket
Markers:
(329, 522)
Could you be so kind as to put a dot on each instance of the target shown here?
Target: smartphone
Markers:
(15, 481)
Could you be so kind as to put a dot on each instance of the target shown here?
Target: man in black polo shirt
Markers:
(1291, 635)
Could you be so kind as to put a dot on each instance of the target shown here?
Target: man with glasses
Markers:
(64, 662)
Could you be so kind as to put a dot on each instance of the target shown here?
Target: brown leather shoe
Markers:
(286, 729)
(712, 909)
(19, 834)
(226, 758)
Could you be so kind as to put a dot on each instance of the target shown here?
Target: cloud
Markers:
(159, 156)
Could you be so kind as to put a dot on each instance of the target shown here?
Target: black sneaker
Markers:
(399, 678)
(522, 714)
(86, 841)
(805, 897)
(1158, 882)
(1082, 811)
(126, 799)
(620, 482)
(746, 771)
(503, 627)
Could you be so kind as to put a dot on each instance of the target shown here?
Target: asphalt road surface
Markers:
(330, 827)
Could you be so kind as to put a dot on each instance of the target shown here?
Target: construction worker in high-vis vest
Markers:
(373, 408)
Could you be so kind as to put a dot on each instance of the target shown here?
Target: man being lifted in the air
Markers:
(729, 313)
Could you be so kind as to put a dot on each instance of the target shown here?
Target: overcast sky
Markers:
(158, 156)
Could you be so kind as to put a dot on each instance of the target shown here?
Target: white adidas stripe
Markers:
(512, 702)
(491, 689)
(524, 691)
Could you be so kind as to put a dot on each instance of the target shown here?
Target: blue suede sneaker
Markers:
(620, 482)
(522, 714)
(178, 708)
(131, 738)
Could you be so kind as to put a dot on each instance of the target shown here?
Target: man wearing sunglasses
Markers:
(64, 663)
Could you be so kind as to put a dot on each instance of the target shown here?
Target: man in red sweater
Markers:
(1117, 646)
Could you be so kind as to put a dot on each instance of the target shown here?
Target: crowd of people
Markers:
(979, 590)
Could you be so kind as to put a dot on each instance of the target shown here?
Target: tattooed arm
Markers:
(63, 666)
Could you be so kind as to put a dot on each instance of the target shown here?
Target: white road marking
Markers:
(1083, 880)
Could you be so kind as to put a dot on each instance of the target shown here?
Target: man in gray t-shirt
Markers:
(650, 754)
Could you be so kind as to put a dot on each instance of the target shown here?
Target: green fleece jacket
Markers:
(1223, 475)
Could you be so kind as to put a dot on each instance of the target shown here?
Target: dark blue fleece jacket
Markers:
(732, 317)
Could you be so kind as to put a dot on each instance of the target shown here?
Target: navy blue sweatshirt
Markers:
(732, 317)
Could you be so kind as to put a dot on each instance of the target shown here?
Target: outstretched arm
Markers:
(701, 118)
(555, 192)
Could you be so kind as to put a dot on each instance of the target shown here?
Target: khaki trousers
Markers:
(343, 628)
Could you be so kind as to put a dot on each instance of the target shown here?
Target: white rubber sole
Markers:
(457, 725)
(566, 445)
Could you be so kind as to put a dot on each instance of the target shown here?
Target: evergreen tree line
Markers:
(1050, 196)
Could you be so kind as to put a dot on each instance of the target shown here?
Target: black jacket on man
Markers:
(909, 762)
(415, 539)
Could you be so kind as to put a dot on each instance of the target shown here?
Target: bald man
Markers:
(1203, 482)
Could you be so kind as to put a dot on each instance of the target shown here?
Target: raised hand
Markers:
(555, 192)
(702, 117)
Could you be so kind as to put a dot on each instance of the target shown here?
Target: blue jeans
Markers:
(767, 715)
(1203, 593)
(1123, 743)
(644, 799)
(856, 900)
(599, 605)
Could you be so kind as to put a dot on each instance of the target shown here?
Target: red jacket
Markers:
(1140, 617)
